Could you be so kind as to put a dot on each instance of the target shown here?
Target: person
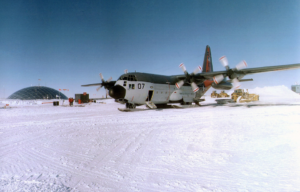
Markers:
(71, 101)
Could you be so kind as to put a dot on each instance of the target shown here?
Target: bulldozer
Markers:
(223, 94)
(241, 96)
(214, 94)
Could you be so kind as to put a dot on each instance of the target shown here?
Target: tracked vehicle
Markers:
(214, 94)
(241, 96)
(223, 94)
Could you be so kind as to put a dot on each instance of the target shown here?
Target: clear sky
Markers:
(68, 43)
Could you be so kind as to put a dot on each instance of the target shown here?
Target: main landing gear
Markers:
(130, 106)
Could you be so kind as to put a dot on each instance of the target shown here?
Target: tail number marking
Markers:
(141, 85)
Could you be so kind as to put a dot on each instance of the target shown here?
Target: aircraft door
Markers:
(150, 95)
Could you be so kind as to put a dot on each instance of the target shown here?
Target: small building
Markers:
(296, 88)
(83, 97)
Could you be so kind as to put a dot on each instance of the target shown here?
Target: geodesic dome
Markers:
(37, 92)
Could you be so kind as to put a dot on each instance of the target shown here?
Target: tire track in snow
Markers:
(34, 157)
(37, 157)
(65, 169)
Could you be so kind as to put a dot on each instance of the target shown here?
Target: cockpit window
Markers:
(128, 78)
(122, 78)
(131, 78)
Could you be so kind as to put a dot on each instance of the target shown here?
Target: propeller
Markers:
(103, 84)
(189, 78)
(230, 72)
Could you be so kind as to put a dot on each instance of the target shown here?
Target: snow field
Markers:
(98, 148)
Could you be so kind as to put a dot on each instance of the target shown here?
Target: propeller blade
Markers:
(179, 84)
(197, 70)
(218, 78)
(194, 87)
(241, 65)
(182, 67)
(236, 83)
(99, 88)
(101, 76)
(224, 61)
(108, 80)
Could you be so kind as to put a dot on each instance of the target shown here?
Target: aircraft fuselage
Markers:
(158, 89)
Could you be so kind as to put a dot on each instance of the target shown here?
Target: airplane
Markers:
(157, 91)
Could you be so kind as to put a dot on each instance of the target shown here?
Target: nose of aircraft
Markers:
(117, 92)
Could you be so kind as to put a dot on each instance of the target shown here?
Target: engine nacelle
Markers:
(224, 85)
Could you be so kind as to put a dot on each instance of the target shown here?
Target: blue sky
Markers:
(68, 43)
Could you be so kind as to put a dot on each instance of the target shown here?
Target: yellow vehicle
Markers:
(241, 96)
(223, 94)
(214, 94)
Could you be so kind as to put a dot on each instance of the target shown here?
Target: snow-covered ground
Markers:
(232, 147)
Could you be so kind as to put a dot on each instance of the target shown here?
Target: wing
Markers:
(108, 84)
(243, 72)
(268, 69)
(89, 85)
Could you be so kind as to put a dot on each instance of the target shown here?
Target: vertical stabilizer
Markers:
(207, 63)
(207, 67)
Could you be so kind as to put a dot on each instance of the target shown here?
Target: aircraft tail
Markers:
(207, 63)
(207, 67)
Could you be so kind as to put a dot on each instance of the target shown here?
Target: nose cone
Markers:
(117, 92)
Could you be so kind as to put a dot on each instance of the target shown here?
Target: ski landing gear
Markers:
(130, 106)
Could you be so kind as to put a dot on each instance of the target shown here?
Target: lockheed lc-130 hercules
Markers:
(153, 90)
